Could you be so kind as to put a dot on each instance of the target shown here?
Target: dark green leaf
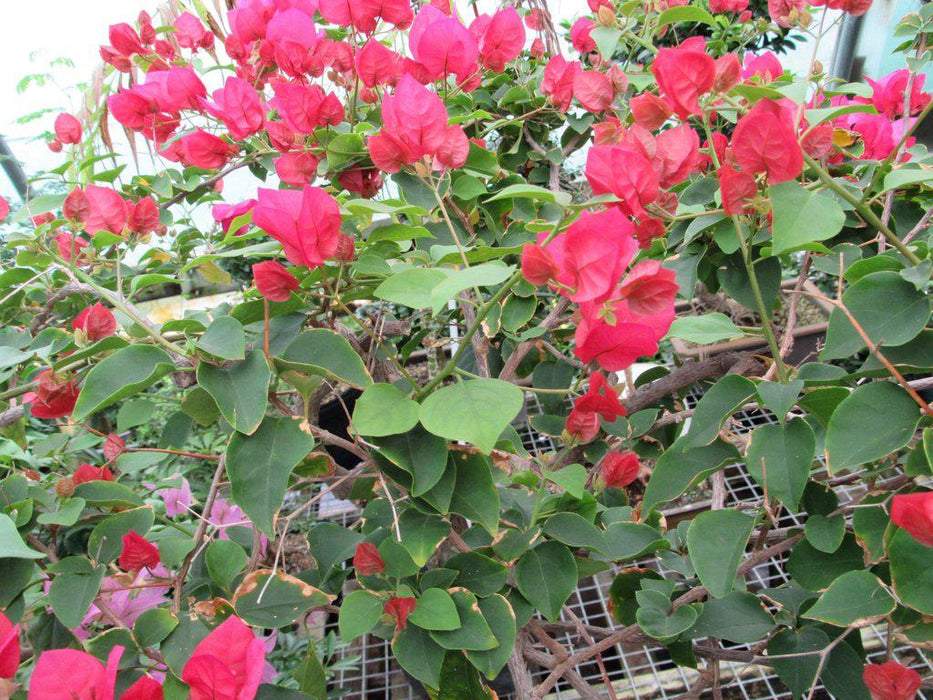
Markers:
(682, 466)
(872, 422)
(546, 576)
(421, 534)
(904, 313)
(478, 573)
(501, 620)
(419, 655)
(320, 351)
(739, 618)
(716, 540)
(435, 611)
(359, 613)
(475, 495)
(124, 373)
(855, 598)
(278, 600)
(239, 389)
(798, 672)
(779, 458)
(473, 634)
(259, 466)
(911, 572)
(224, 338)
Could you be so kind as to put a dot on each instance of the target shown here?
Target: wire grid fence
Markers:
(637, 672)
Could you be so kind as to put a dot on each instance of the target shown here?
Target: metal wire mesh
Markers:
(637, 672)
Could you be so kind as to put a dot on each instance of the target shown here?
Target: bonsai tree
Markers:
(427, 276)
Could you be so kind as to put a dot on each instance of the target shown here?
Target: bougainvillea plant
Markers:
(457, 224)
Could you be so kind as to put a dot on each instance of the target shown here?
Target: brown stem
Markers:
(199, 533)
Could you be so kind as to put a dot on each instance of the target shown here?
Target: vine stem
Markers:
(125, 307)
(760, 302)
(199, 534)
(862, 209)
(752, 276)
(448, 369)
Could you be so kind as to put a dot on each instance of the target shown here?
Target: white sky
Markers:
(38, 31)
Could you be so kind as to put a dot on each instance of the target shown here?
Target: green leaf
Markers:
(324, 352)
(153, 626)
(779, 458)
(478, 573)
(842, 672)
(780, 398)
(626, 540)
(607, 39)
(476, 411)
(798, 670)
(739, 618)
(546, 576)
(716, 540)
(435, 611)
(419, 453)
(475, 495)
(106, 541)
(411, 288)
(899, 319)
(875, 420)
(421, 534)
(15, 575)
(65, 516)
(801, 217)
(571, 478)
(419, 655)
(825, 533)
(682, 466)
(869, 526)
(135, 413)
(905, 175)
(911, 572)
(310, 675)
(260, 464)
(331, 544)
(473, 634)
(343, 148)
(107, 494)
(278, 600)
(816, 570)
(225, 559)
(705, 329)
(575, 531)
(383, 409)
(484, 275)
(180, 644)
(240, 390)
(500, 617)
(72, 592)
(855, 598)
(224, 338)
(524, 191)
(686, 13)
(658, 618)
(719, 402)
(124, 373)
(359, 613)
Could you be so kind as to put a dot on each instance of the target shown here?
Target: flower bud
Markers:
(65, 487)
(728, 72)
(605, 17)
